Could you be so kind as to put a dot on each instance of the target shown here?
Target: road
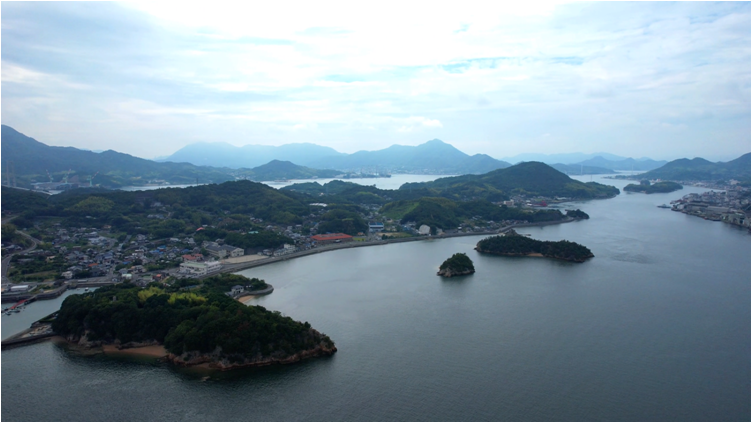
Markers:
(6, 260)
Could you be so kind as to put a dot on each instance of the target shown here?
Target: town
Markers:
(731, 206)
(60, 258)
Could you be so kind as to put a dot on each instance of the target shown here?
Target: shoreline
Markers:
(358, 244)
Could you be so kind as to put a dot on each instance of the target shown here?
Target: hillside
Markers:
(277, 169)
(432, 157)
(529, 179)
(32, 160)
(222, 154)
(699, 169)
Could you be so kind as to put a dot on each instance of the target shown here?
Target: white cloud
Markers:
(484, 74)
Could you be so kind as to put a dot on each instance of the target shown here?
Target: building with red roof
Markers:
(324, 239)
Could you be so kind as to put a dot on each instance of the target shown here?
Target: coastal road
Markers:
(6, 260)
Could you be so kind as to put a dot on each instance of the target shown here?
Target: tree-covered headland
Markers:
(196, 325)
(658, 187)
(513, 244)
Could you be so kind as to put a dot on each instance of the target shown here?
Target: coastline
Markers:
(233, 268)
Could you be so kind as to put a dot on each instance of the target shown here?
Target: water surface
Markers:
(655, 327)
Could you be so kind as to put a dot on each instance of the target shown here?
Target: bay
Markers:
(655, 327)
(394, 182)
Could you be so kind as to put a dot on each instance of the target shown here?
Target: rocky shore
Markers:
(214, 360)
(217, 360)
(448, 273)
(533, 254)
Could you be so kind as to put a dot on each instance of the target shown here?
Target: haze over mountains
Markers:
(35, 162)
(699, 169)
(435, 157)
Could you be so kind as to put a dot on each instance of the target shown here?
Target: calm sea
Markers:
(655, 327)
(394, 182)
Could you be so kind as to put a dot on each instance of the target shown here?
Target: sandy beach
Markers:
(245, 298)
(157, 351)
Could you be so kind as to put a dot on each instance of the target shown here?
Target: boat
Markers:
(86, 289)
(664, 206)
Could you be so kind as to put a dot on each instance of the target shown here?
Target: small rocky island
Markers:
(658, 187)
(513, 244)
(202, 325)
(457, 265)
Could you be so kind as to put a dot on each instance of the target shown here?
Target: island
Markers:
(200, 325)
(513, 244)
(457, 265)
(658, 187)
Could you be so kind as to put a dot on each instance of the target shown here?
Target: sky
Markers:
(637, 79)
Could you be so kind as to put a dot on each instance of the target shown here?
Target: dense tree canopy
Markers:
(514, 244)
(201, 320)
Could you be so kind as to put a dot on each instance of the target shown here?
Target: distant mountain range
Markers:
(601, 160)
(576, 169)
(433, 157)
(565, 158)
(624, 164)
(699, 169)
(32, 161)
(221, 154)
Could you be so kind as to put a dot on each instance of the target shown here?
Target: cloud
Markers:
(483, 75)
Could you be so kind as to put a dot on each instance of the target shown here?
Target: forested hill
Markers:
(31, 160)
(277, 169)
(699, 169)
(128, 211)
(202, 322)
(528, 178)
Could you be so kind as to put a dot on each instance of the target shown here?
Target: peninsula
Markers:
(658, 187)
(513, 244)
(198, 325)
(457, 265)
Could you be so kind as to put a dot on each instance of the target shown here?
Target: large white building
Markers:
(195, 269)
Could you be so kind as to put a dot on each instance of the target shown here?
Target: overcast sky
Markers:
(662, 80)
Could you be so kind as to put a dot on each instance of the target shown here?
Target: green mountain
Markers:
(699, 169)
(277, 169)
(31, 161)
(528, 178)
(432, 157)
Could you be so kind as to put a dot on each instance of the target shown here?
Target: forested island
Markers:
(513, 244)
(195, 326)
(457, 265)
(658, 187)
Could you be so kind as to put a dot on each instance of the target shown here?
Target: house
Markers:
(424, 230)
(236, 290)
